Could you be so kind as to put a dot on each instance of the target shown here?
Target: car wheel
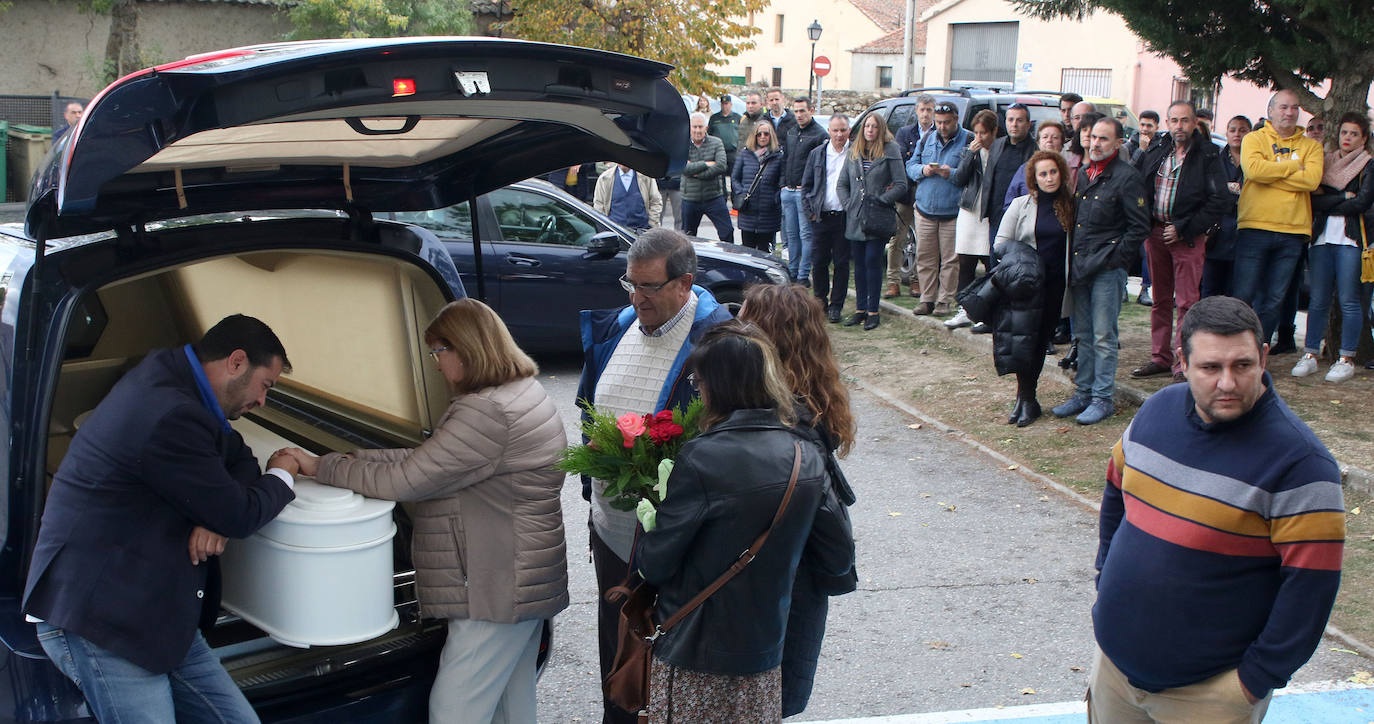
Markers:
(731, 297)
(909, 258)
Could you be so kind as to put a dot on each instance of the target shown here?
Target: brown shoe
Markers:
(893, 290)
(916, 291)
(941, 309)
(1150, 369)
(923, 309)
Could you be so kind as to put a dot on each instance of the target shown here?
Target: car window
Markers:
(900, 116)
(538, 219)
(1044, 113)
(450, 222)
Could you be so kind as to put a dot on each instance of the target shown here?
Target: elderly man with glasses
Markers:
(635, 358)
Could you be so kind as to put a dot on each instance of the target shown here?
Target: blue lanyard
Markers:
(207, 395)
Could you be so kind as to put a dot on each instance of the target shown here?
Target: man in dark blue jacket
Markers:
(153, 482)
(635, 361)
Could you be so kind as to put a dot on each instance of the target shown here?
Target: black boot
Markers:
(1030, 407)
(856, 319)
(1016, 410)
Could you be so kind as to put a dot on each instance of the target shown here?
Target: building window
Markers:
(884, 76)
(777, 77)
(1180, 89)
(748, 74)
(1088, 82)
(777, 36)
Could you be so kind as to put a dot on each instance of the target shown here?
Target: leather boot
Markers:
(892, 291)
(1016, 411)
(1030, 412)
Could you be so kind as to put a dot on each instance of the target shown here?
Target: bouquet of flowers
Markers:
(633, 454)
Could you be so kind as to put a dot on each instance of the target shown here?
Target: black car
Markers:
(177, 200)
(546, 256)
(901, 111)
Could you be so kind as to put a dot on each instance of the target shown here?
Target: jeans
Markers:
(1096, 305)
(197, 690)
(1177, 272)
(715, 210)
(1216, 277)
(1264, 266)
(829, 245)
(1334, 267)
(672, 204)
(868, 272)
(796, 233)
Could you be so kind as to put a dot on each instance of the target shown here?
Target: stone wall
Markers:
(848, 102)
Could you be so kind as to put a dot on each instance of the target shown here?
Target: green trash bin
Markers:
(27, 147)
(4, 153)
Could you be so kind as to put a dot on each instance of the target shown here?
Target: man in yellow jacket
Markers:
(1282, 168)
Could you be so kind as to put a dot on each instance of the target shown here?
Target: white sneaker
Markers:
(1340, 371)
(959, 320)
(1305, 366)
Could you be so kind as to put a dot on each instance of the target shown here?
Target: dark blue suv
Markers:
(245, 181)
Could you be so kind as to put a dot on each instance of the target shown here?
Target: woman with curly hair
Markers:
(795, 322)
(1032, 268)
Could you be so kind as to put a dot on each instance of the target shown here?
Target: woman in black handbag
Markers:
(721, 663)
(872, 181)
(757, 188)
(794, 321)
(1030, 274)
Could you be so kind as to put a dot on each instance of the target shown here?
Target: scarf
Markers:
(1342, 169)
(1095, 168)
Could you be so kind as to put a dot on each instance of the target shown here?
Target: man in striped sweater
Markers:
(1222, 529)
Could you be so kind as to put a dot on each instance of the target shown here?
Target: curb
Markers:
(1352, 477)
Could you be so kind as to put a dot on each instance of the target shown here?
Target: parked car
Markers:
(901, 110)
(546, 256)
(142, 232)
(736, 103)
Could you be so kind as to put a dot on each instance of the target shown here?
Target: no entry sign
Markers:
(821, 65)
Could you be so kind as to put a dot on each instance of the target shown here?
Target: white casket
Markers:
(319, 574)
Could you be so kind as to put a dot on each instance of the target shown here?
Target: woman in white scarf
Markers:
(1339, 238)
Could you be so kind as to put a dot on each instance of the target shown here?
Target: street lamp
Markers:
(813, 31)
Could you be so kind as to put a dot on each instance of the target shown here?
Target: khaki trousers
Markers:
(937, 265)
(1218, 700)
(896, 245)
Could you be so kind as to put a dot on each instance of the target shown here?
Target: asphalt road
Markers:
(975, 584)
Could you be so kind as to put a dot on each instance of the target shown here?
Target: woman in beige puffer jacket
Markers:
(488, 543)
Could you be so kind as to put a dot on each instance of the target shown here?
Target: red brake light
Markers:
(403, 87)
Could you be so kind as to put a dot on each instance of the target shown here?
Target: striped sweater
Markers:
(1220, 545)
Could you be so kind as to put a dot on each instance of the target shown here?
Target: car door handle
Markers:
(522, 260)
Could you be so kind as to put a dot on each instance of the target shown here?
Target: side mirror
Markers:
(604, 244)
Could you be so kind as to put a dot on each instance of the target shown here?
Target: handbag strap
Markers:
(744, 559)
(755, 183)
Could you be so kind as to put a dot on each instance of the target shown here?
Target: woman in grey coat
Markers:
(874, 169)
(488, 543)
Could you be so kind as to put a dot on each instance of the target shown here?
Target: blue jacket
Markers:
(936, 196)
(601, 333)
(151, 463)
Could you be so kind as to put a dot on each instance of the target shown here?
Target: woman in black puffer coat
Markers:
(1032, 258)
(761, 218)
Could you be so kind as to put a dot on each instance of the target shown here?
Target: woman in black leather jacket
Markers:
(795, 322)
(722, 662)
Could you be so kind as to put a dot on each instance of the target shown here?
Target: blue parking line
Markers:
(1331, 703)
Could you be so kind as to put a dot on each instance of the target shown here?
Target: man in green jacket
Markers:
(703, 182)
(725, 126)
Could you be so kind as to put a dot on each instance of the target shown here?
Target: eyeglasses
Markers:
(434, 353)
(650, 289)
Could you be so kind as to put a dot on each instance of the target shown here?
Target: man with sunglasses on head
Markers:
(635, 358)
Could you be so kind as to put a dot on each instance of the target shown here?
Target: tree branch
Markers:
(1290, 81)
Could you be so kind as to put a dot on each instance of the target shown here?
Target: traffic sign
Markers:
(821, 65)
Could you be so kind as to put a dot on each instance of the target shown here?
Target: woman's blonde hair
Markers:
(865, 150)
(752, 143)
(482, 343)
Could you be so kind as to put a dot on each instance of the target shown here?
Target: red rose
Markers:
(664, 416)
(664, 431)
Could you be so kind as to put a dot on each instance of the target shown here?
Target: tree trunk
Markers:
(122, 54)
